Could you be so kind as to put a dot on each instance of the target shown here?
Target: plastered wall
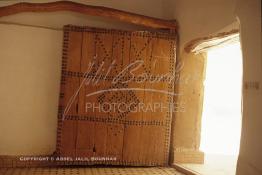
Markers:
(249, 15)
(187, 122)
(29, 75)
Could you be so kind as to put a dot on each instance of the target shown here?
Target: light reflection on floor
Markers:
(215, 165)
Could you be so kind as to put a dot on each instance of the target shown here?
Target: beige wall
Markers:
(30, 60)
(249, 14)
(200, 18)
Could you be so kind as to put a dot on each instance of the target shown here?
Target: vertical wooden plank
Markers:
(70, 99)
(150, 150)
(86, 128)
(132, 135)
(103, 51)
(115, 133)
(121, 51)
(100, 139)
(85, 139)
(68, 138)
(163, 53)
(131, 145)
(160, 145)
(147, 132)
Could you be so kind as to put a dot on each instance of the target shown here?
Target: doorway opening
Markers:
(222, 117)
(222, 114)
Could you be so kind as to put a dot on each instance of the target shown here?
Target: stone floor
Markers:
(89, 171)
(215, 165)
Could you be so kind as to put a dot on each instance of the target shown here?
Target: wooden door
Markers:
(110, 82)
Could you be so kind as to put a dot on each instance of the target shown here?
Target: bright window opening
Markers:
(221, 119)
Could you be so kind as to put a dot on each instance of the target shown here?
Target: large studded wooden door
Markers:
(116, 91)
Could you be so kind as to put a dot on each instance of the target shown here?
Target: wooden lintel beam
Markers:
(88, 10)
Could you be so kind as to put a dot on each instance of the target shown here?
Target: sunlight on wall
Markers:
(221, 121)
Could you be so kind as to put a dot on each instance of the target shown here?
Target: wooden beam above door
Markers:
(89, 10)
